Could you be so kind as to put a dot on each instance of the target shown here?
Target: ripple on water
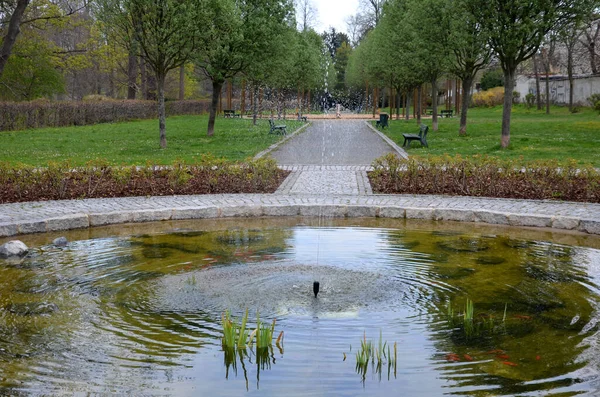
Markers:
(277, 288)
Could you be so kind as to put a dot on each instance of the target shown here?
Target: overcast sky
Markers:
(334, 13)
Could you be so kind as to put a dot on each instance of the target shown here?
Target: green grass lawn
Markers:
(137, 142)
(533, 135)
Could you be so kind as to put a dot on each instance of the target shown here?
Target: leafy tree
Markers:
(428, 41)
(469, 53)
(31, 72)
(515, 30)
(308, 67)
(165, 30)
(492, 78)
(236, 35)
(341, 63)
(267, 25)
(392, 59)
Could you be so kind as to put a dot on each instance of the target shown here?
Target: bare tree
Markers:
(590, 40)
(547, 51)
(307, 14)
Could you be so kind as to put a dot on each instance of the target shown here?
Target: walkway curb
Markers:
(401, 152)
(40, 217)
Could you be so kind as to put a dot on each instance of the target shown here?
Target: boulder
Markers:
(13, 248)
(60, 242)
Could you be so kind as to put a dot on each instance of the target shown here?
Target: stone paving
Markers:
(324, 189)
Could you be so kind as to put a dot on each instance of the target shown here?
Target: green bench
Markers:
(446, 113)
(279, 129)
(421, 137)
(383, 120)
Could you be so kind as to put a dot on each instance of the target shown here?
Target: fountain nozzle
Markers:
(316, 288)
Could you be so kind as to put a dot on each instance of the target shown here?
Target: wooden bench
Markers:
(446, 113)
(229, 113)
(421, 137)
(279, 129)
(383, 120)
(429, 112)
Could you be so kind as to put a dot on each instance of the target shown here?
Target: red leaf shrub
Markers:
(486, 177)
(60, 181)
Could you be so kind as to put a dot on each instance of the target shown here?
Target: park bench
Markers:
(383, 120)
(279, 129)
(302, 118)
(230, 113)
(421, 137)
(446, 113)
(429, 112)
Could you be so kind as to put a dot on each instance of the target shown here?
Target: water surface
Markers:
(137, 309)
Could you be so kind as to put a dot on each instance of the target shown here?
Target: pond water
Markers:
(137, 309)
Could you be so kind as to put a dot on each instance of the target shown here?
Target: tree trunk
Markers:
(214, 103)
(407, 110)
(367, 96)
(11, 34)
(243, 98)
(143, 78)
(132, 73)
(434, 105)
(548, 89)
(538, 96)
(593, 55)
(254, 103)
(151, 93)
(467, 83)
(162, 116)
(182, 82)
(509, 86)
(419, 103)
(570, 74)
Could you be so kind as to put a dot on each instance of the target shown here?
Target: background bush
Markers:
(492, 78)
(44, 113)
(489, 98)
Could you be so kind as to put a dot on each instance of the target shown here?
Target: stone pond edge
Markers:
(85, 220)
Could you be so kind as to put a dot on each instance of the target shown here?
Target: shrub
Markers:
(516, 97)
(98, 178)
(594, 100)
(530, 100)
(487, 177)
(492, 78)
(489, 98)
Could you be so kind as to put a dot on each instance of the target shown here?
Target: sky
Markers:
(334, 13)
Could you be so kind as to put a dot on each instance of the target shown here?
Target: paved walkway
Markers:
(331, 157)
(329, 162)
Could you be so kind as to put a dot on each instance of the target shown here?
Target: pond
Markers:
(468, 309)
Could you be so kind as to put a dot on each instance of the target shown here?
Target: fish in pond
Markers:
(510, 364)
(452, 357)
(467, 357)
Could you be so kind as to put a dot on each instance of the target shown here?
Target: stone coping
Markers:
(39, 217)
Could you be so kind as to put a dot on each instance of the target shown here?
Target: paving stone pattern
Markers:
(333, 190)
